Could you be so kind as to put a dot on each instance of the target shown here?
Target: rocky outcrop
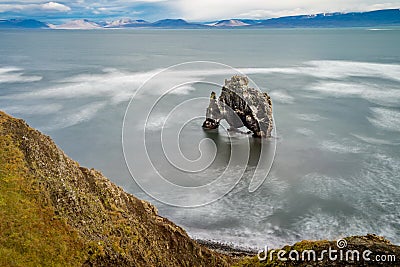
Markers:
(370, 250)
(241, 105)
(54, 212)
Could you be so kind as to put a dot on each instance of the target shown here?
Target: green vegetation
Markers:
(30, 234)
(378, 245)
(54, 212)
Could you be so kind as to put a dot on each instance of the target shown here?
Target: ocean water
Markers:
(336, 100)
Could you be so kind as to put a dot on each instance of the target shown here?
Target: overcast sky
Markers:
(192, 10)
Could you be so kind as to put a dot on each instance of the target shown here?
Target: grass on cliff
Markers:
(30, 234)
(54, 212)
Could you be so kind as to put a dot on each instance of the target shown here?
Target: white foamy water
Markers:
(74, 117)
(342, 147)
(281, 97)
(335, 69)
(305, 131)
(374, 93)
(14, 75)
(33, 109)
(310, 117)
(383, 118)
(339, 69)
(373, 141)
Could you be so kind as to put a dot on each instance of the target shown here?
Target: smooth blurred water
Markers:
(336, 95)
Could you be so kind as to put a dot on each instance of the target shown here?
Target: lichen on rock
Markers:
(241, 105)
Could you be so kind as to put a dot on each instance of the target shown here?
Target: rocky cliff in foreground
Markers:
(54, 212)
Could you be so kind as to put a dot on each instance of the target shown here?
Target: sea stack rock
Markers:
(241, 105)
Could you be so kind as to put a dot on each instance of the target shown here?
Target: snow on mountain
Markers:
(377, 18)
(229, 23)
(386, 17)
(125, 22)
(81, 24)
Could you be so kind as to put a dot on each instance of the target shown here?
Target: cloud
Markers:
(16, 7)
(29, 7)
(55, 7)
(222, 9)
(193, 10)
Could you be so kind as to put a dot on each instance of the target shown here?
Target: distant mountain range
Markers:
(22, 23)
(387, 17)
(83, 24)
(125, 23)
(233, 23)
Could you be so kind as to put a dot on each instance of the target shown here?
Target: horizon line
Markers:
(182, 18)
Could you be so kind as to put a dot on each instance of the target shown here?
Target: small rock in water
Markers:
(241, 105)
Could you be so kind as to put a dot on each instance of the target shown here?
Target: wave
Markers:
(373, 188)
(15, 75)
(373, 93)
(310, 117)
(115, 86)
(9, 69)
(342, 148)
(155, 123)
(335, 69)
(33, 109)
(373, 141)
(305, 131)
(383, 118)
(219, 220)
(281, 97)
(380, 29)
(74, 117)
(337, 88)
(342, 69)
(120, 85)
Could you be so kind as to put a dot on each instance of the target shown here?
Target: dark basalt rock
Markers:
(241, 105)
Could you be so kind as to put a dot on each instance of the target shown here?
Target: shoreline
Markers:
(227, 249)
